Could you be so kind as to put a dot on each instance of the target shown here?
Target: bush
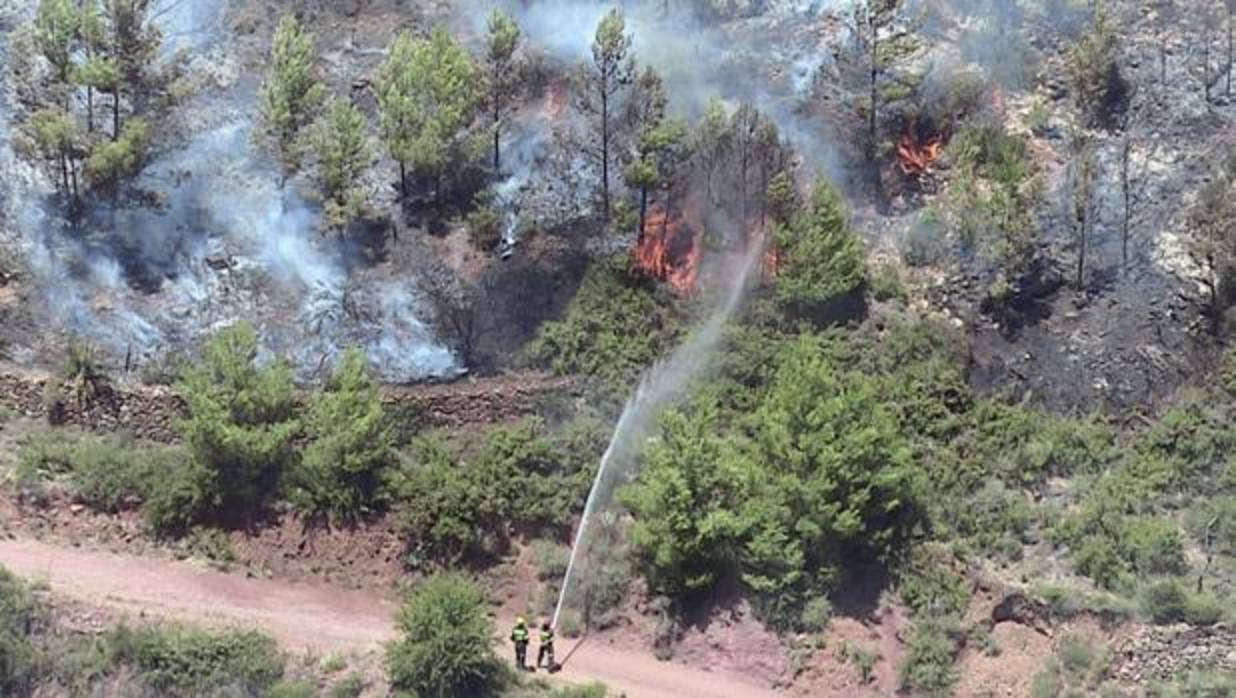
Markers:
(106, 473)
(82, 376)
(451, 509)
(926, 243)
(1165, 601)
(886, 284)
(1100, 90)
(821, 260)
(447, 643)
(828, 486)
(616, 325)
(485, 227)
(351, 445)
(19, 616)
(927, 669)
(240, 424)
(687, 531)
(187, 662)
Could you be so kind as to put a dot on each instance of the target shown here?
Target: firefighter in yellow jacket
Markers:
(519, 636)
(545, 653)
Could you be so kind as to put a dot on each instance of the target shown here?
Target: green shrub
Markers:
(926, 243)
(177, 497)
(450, 509)
(485, 227)
(687, 530)
(351, 686)
(1165, 601)
(19, 616)
(817, 614)
(886, 284)
(1100, 90)
(822, 261)
(292, 689)
(446, 648)
(616, 325)
(82, 377)
(927, 669)
(543, 488)
(350, 445)
(186, 662)
(240, 423)
(1153, 546)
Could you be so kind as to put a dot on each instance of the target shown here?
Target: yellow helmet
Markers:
(520, 621)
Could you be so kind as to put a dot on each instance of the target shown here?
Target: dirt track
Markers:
(314, 618)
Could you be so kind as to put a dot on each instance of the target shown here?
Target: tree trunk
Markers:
(64, 173)
(90, 109)
(605, 147)
(643, 210)
(1125, 154)
(1163, 60)
(497, 136)
(1231, 48)
(403, 179)
(116, 113)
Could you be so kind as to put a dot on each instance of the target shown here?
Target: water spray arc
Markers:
(661, 386)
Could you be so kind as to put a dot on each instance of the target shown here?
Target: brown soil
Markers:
(318, 618)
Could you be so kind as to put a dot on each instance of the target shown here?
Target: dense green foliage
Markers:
(523, 479)
(821, 260)
(341, 146)
(687, 530)
(19, 616)
(36, 659)
(293, 95)
(617, 324)
(341, 470)
(446, 648)
(428, 93)
(240, 424)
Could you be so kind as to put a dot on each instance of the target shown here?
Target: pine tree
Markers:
(612, 70)
(342, 147)
(350, 444)
(500, 78)
(55, 35)
(293, 95)
(427, 98)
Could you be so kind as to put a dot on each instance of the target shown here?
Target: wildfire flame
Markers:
(669, 252)
(916, 156)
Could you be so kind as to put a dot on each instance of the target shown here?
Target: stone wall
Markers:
(1160, 653)
(150, 412)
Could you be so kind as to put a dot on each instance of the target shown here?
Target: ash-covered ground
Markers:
(221, 240)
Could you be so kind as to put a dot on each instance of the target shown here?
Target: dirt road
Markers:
(313, 618)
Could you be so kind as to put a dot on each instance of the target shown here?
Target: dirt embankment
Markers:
(150, 412)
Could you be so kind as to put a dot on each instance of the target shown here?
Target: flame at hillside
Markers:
(669, 251)
(916, 155)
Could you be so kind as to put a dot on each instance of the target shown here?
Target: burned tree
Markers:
(1100, 91)
(457, 307)
(1166, 17)
(710, 145)
(1082, 178)
(1212, 246)
(611, 72)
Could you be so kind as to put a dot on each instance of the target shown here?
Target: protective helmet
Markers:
(520, 621)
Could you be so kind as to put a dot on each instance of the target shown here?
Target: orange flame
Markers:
(669, 252)
(916, 157)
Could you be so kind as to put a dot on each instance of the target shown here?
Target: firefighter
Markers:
(545, 653)
(520, 637)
